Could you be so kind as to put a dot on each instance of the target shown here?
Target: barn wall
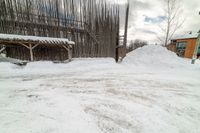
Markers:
(50, 53)
(18, 52)
(39, 53)
(92, 24)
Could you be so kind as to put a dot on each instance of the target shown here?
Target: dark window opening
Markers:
(180, 48)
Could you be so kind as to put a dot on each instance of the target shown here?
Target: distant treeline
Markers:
(133, 45)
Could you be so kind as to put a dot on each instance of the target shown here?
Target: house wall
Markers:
(172, 47)
(191, 43)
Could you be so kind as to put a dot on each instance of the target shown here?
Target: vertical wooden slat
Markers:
(53, 18)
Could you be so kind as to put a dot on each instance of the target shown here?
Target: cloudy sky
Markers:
(147, 15)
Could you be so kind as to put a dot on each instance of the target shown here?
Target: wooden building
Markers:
(93, 25)
(184, 45)
(32, 48)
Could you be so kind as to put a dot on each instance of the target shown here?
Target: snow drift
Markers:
(154, 55)
(47, 67)
(99, 95)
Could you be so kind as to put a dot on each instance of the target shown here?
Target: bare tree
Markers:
(173, 20)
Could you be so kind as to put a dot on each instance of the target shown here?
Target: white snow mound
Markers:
(48, 67)
(154, 55)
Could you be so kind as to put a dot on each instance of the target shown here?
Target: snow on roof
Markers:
(35, 38)
(186, 36)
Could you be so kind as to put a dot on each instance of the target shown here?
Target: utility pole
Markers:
(196, 48)
(126, 24)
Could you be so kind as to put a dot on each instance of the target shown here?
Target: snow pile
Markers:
(99, 95)
(48, 67)
(7, 68)
(11, 60)
(156, 56)
(198, 62)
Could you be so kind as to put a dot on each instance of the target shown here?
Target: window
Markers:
(198, 50)
(180, 48)
(181, 45)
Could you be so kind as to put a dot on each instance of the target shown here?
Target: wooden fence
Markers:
(93, 24)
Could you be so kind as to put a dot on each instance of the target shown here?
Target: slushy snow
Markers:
(151, 91)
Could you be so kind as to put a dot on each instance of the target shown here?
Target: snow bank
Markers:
(198, 62)
(156, 56)
(47, 67)
(99, 95)
(6, 68)
(11, 60)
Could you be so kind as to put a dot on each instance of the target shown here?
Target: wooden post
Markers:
(69, 47)
(31, 51)
(1, 50)
(70, 53)
(194, 57)
(126, 25)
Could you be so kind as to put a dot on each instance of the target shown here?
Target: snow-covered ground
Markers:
(152, 91)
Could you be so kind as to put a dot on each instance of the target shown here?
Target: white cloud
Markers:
(139, 29)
